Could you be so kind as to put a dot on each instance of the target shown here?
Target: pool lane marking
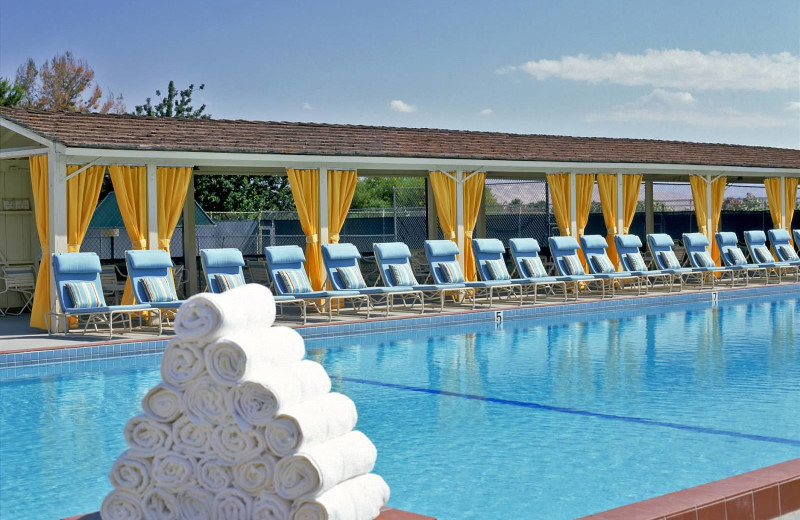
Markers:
(574, 411)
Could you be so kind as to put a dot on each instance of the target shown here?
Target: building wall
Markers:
(19, 243)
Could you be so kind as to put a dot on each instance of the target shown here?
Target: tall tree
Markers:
(10, 95)
(174, 104)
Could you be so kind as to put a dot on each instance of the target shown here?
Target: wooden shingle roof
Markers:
(128, 132)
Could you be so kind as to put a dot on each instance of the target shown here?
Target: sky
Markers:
(723, 71)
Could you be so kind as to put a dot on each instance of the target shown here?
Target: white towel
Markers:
(234, 445)
(190, 438)
(213, 474)
(311, 422)
(173, 472)
(360, 498)
(182, 362)
(120, 505)
(160, 504)
(162, 403)
(240, 356)
(318, 468)
(232, 504)
(255, 475)
(195, 504)
(204, 402)
(269, 506)
(257, 401)
(147, 437)
(130, 473)
(208, 316)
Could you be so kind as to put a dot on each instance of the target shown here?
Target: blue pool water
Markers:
(547, 419)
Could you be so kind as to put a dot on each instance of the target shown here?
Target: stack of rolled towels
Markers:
(243, 427)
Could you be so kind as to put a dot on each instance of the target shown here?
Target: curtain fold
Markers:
(130, 187)
(631, 186)
(698, 185)
(171, 187)
(584, 186)
(607, 185)
(791, 201)
(773, 187)
(560, 197)
(341, 188)
(41, 209)
(305, 191)
(473, 194)
(444, 193)
(83, 192)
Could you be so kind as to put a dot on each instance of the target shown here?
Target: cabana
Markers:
(152, 162)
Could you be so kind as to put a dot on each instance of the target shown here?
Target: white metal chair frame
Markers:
(20, 280)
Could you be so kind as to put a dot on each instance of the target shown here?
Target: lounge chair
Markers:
(760, 255)
(344, 273)
(567, 262)
(445, 269)
(594, 249)
(734, 258)
(491, 266)
(660, 246)
(781, 242)
(151, 280)
(286, 267)
(21, 280)
(697, 246)
(80, 294)
(631, 258)
(796, 235)
(394, 266)
(528, 265)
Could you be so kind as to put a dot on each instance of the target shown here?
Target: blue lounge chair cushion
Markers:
(227, 257)
(351, 277)
(158, 289)
(786, 253)
(402, 275)
(573, 265)
(451, 272)
(149, 259)
(703, 259)
(226, 282)
(602, 264)
(669, 260)
(295, 280)
(762, 254)
(736, 256)
(636, 261)
(84, 295)
(497, 269)
(534, 267)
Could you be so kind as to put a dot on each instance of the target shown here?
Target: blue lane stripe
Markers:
(585, 413)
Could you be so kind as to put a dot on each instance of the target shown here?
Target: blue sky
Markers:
(713, 71)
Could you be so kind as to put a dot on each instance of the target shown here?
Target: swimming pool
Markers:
(551, 419)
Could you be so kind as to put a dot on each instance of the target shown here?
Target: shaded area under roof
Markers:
(107, 214)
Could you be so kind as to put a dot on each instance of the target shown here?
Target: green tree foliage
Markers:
(10, 95)
(749, 203)
(384, 192)
(174, 104)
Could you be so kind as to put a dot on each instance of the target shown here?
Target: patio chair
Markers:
(760, 255)
(664, 258)
(286, 267)
(528, 265)
(20, 280)
(344, 274)
(600, 265)
(491, 266)
(734, 258)
(796, 235)
(567, 262)
(255, 271)
(781, 242)
(697, 246)
(151, 280)
(112, 287)
(630, 255)
(80, 294)
(395, 269)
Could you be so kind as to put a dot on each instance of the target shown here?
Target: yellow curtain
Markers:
(791, 200)
(473, 193)
(41, 207)
(83, 190)
(631, 186)
(559, 194)
(305, 191)
(444, 193)
(341, 187)
(130, 187)
(607, 185)
(584, 186)
(171, 186)
(698, 185)
(773, 187)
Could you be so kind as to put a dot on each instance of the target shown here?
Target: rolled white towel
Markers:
(318, 468)
(236, 358)
(173, 472)
(121, 505)
(232, 504)
(255, 475)
(147, 437)
(189, 438)
(311, 422)
(360, 498)
(269, 506)
(182, 361)
(213, 474)
(130, 473)
(195, 504)
(162, 403)
(205, 402)
(160, 504)
(208, 316)
(234, 445)
(258, 400)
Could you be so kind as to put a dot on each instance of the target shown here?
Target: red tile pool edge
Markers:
(386, 514)
(762, 494)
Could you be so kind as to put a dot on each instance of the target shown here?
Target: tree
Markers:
(10, 95)
(174, 104)
(64, 83)
(385, 192)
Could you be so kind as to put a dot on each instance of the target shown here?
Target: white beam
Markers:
(323, 212)
(620, 205)
(82, 169)
(573, 206)
(152, 206)
(784, 224)
(23, 151)
(24, 132)
(57, 213)
(708, 209)
(460, 217)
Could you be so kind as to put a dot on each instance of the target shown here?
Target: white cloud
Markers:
(794, 106)
(307, 106)
(674, 68)
(399, 106)
(486, 112)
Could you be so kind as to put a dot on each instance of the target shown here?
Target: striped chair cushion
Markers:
(762, 254)
(602, 264)
(451, 272)
(786, 253)
(497, 269)
(402, 275)
(736, 256)
(159, 289)
(669, 260)
(636, 261)
(534, 267)
(84, 295)
(703, 259)
(226, 282)
(572, 265)
(294, 280)
(351, 277)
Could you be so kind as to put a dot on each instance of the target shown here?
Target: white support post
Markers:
(784, 224)
(57, 212)
(323, 212)
(460, 216)
(573, 206)
(190, 241)
(152, 207)
(708, 208)
(620, 205)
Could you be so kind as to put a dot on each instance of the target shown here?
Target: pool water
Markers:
(547, 419)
